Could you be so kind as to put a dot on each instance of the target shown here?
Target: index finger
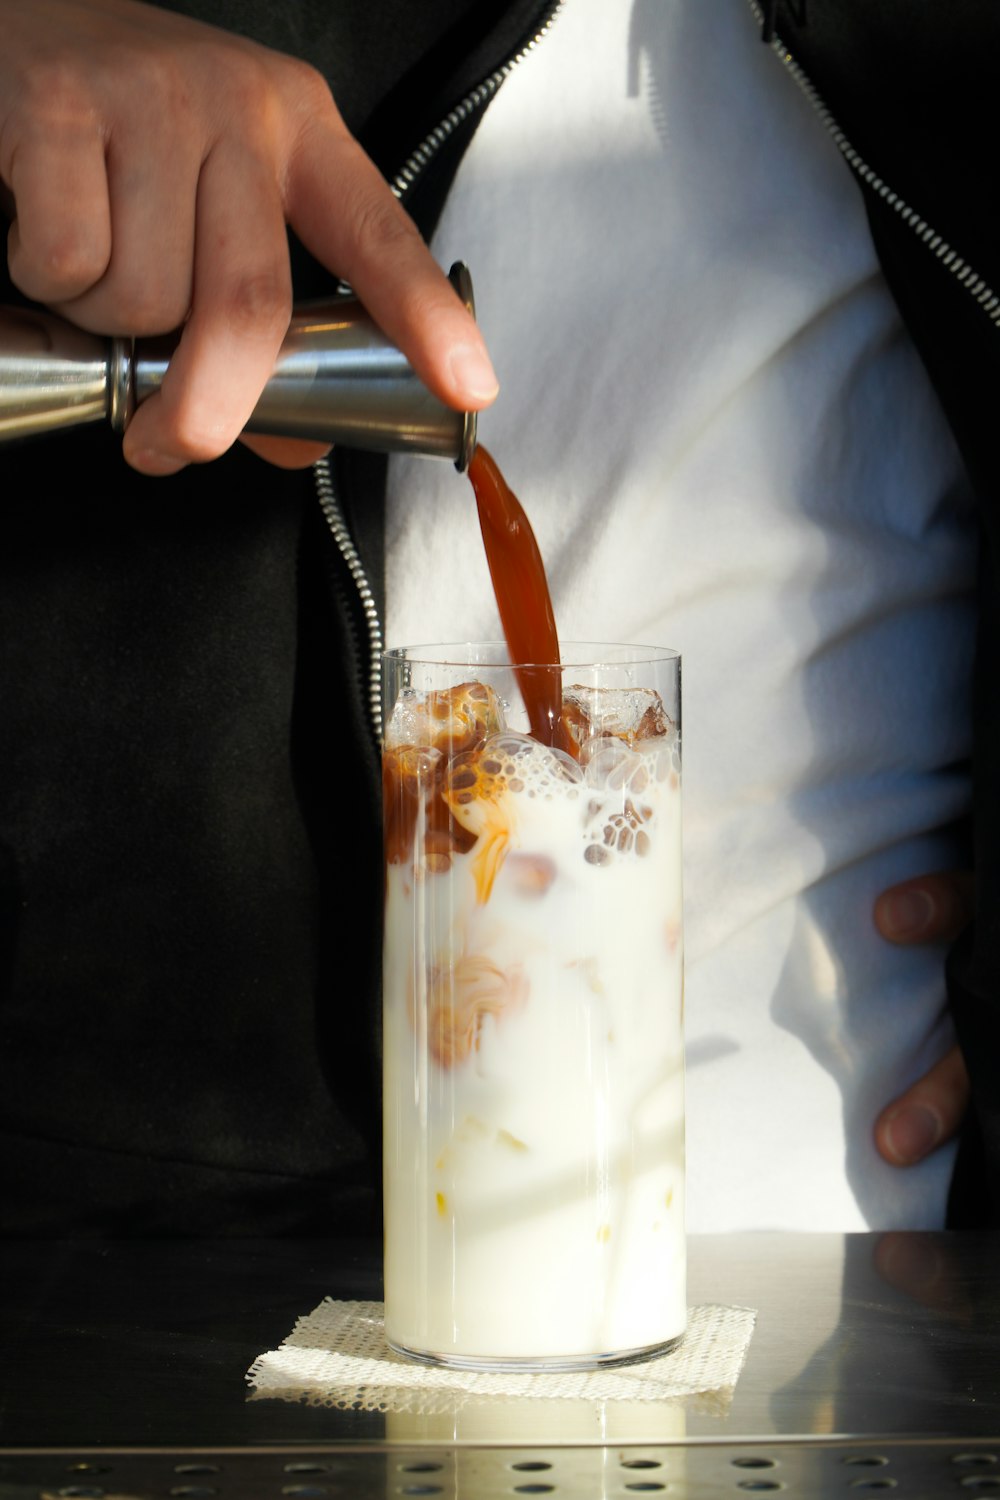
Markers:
(346, 214)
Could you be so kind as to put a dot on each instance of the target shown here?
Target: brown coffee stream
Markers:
(459, 722)
(523, 599)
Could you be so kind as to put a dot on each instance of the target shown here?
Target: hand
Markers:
(928, 909)
(152, 164)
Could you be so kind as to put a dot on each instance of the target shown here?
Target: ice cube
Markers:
(409, 776)
(634, 715)
(608, 762)
(449, 719)
(407, 724)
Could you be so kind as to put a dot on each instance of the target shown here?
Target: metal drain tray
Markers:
(920, 1469)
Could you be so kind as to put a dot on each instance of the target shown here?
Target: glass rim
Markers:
(589, 654)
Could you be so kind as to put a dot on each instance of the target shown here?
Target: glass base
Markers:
(537, 1364)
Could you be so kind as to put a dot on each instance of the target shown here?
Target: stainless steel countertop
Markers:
(874, 1364)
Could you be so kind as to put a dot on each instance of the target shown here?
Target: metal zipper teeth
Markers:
(325, 488)
(949, 258)
(480, 95)
(330, 506)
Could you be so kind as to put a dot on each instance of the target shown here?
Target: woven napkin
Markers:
(337, 1356)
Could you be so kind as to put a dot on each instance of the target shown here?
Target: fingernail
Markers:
(906, 914)
(148, 461)
(472, 372)
(912, 1133)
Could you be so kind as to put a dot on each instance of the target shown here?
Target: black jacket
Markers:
(910, 89)
(189, 852)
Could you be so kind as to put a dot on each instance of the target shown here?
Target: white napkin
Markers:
(337, 1356)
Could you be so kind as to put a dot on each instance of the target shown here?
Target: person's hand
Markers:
(152, 164)
(928, 909)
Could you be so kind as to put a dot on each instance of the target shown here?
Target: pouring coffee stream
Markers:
(523, 599)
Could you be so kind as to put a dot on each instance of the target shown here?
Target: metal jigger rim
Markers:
(121, 389)
(461, 279)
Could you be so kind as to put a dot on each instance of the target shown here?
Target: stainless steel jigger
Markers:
(337, 379)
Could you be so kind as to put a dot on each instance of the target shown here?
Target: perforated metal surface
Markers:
(812, 1469)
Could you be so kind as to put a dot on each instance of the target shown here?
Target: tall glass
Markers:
(533, 1056)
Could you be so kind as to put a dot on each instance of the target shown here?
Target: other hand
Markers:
(151, 165)
(927, 909)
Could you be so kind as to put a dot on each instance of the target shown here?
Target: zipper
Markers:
(475, 99)
(329, 504)
(326, 489)
(949, 257)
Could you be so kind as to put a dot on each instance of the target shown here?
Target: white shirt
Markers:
(726, 444)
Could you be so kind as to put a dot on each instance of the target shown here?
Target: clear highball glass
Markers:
(532, 1007)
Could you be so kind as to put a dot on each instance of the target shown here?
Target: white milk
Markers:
(533, 1065)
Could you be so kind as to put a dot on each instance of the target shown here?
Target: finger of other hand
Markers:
(931, 908)
(927, 1115)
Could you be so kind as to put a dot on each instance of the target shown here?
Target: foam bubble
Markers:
(509, 763)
